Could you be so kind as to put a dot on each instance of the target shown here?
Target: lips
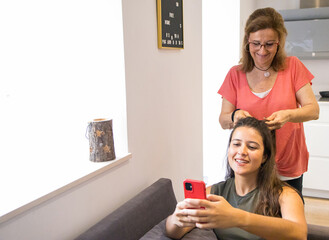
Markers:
(262, 56)
(241, 161)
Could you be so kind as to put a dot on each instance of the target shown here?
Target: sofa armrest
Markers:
(137, 216)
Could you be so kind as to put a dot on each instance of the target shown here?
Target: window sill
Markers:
(91, 170)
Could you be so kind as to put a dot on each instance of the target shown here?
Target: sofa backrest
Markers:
(137, 216)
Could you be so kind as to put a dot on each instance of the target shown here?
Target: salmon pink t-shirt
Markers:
(292, 155)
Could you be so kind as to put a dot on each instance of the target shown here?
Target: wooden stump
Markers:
(101, 140)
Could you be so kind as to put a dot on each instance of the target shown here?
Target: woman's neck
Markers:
(244, 185)
(258, 83)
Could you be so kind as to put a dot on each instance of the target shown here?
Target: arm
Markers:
(292, 225)
(220, 214)
(225, 119)
(309, 106)
(309, 110)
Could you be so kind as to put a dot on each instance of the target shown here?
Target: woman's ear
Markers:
(264, 159)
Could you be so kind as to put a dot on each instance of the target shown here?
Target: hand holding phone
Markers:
(195, 189)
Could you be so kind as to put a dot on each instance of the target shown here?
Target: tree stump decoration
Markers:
(101, 140)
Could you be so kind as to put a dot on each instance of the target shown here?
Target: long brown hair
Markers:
(269, 185)
(260, 19)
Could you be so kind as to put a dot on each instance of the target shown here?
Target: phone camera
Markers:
(188, 186)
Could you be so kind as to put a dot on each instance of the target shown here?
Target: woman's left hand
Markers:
(217, 213)
(277, 119)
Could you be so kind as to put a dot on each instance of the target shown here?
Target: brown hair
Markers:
(269, 185)
(262, 19)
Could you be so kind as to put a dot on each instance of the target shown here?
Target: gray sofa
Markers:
(143, 217)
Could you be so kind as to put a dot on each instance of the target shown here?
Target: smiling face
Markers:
(246, 150)
(263, 57)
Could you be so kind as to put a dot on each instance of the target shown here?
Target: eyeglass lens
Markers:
(267, 46)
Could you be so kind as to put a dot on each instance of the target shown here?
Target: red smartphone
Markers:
(195, 189)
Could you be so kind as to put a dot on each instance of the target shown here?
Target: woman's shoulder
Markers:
(236, 73)
(291, 60)
(289, 192)
(291, 65)
(236, 68)
(219, 188)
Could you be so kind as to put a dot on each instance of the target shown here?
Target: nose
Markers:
(262, 48)
(242, 150)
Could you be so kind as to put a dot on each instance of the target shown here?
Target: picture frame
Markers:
(170, 24)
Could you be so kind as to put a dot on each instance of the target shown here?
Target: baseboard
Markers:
(315, 193)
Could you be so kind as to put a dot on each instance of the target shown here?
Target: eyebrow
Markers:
(265, 42)
(239, 140)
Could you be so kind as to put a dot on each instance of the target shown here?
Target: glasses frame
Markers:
(261, 45)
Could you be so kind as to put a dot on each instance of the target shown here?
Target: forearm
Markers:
(309, 109)
(305, 113)
(225, 120)
(225, 117)
(173, 231)
(272, 227)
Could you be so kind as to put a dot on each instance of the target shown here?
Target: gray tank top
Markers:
(247, 203)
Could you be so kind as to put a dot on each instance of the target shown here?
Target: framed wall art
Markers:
(170, 24)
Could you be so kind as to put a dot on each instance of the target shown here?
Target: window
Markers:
(61, 66)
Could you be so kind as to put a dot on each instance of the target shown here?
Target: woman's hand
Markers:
(308, 110)
(278, 119)
(180, 218)
(240, 114)
(179, 223)
(217, 213)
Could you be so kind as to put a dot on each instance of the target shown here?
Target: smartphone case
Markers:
(198, 190)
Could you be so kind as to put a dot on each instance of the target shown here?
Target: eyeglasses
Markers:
(257, 45)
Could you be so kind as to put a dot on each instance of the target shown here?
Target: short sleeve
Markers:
(300, 74)
(228, 90)
(217, 188)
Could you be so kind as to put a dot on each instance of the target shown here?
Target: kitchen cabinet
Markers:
(316, 183)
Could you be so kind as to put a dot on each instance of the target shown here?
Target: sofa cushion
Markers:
(158, 233)
(316, 232)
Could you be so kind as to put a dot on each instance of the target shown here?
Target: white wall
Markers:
(220, 50)
(164, 110)
(164, 96)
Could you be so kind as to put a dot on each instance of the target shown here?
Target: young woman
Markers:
(252, 203)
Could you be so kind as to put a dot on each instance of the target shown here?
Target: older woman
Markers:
(268, 85)
(252, 203)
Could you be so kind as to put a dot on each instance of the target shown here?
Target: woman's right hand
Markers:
(180, 218)
(179, 223)
(225, 117)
